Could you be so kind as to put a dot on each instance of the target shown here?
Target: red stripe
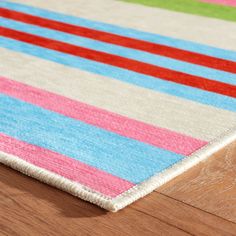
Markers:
(179, 54)
(137, 66)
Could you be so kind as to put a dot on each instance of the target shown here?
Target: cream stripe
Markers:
(174, 24)
(183, 116)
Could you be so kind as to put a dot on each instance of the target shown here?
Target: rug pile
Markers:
(108, 100)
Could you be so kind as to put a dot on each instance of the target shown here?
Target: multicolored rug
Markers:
(108, 100)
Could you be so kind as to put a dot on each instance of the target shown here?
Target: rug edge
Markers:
(148, 186)
(55, 180)
(128, 197)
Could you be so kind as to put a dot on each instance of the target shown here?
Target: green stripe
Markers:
(192, 7)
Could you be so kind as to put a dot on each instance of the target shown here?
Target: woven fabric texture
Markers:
(108, 100)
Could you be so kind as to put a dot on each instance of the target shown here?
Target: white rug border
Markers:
(132, 194)
(177, 169)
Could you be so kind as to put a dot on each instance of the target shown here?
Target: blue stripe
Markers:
(155, 38)
(127, 158)
(124, 52)
(187, 92)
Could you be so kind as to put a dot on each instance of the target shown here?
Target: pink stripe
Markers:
(124, 126)
(222, 2)
(69, 168)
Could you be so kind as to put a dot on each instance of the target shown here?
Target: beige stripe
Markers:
(174, 24)
(163, 110)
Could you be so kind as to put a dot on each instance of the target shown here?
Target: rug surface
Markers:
(108, 100)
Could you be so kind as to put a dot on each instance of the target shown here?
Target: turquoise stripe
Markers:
(173, 42)
(187, 92)
(124, 52)
(127, 158)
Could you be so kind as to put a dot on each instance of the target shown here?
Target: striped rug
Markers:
(108, 100)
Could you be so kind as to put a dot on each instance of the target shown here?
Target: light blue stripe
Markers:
(127, 158)
(173, 42)
(124, 52)
(187, 92)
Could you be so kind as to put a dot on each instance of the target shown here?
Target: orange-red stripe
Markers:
(179, 54)
(125, 63)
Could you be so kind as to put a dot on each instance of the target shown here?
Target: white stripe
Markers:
(163, 110)
(154, 20)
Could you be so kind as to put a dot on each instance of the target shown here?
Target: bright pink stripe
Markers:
(69, 168)
(222, 2)
(124, 126)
